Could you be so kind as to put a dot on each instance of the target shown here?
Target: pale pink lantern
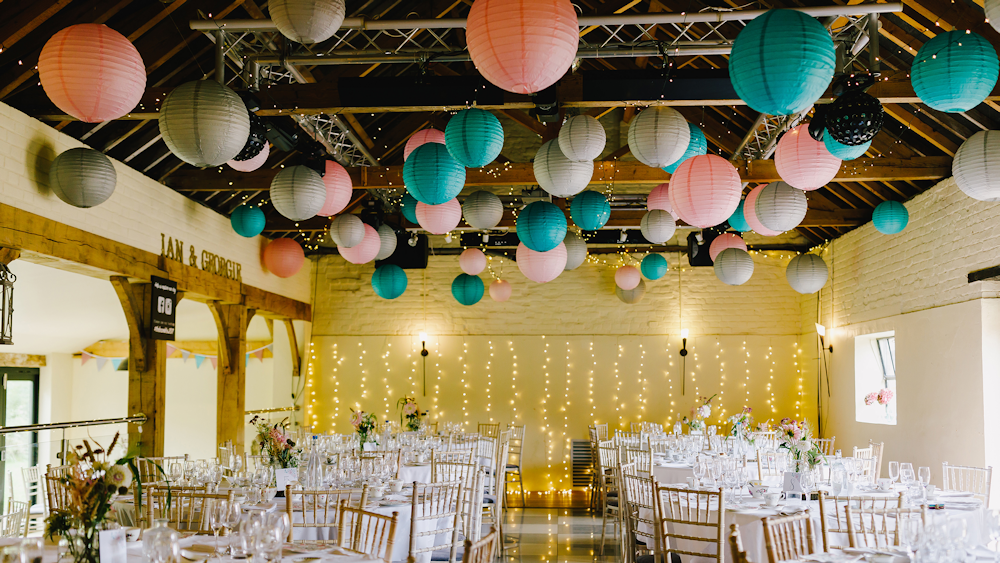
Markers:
(283, 257)
(366, 250)
(500, 291)
(541, 267)
(522, 46)
(724, 241)
(422, 137)
(92, 72)
(627, 277)
(659, 198)
(750, 214)
(439, 219)
(472, 261)
(705, 190)
(804, 162)
(251, 164)
(338, 189)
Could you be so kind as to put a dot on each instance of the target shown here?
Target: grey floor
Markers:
(556, 534)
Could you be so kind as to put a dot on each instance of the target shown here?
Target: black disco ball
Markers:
(256, 140)
(817, 124)
(854, 118)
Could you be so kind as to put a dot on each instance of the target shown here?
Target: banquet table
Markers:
(421, 473)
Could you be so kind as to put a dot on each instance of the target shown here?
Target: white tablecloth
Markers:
(418, 473)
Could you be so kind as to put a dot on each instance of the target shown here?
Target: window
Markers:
(886, 349)
(875, 378)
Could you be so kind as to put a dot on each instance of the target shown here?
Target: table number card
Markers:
(112, 546)
(285, 477)
(792, 484)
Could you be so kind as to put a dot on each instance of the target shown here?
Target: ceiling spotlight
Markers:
(413, 240)
(624, 236)
(699, 237)
(486, 238)
(447, 237)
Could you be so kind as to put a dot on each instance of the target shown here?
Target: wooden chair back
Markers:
(769, 463)
(14, 523)
(789, 538)
(488, 429)
(834, 524)
(445, 472)
(736, 545)
(866, 462)
(638, 493)
(320, 509)
(436, 512)
(366, 532)
(826, 445)
(602, 432)
(482, 551)
(389, 457)
(878, 527)
(878, 448)
(457, 456)
(703, 511)
(184, 508)
(56, 492)
(641, 458)
(516, 445)
(975, 480)
(149, 468)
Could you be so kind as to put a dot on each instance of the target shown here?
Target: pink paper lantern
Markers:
(366, 250)
(724, 241)
(338, 189)
(472, 261)
(804, 162)
(439, 219)
(627, 277)
(421, 137)
(541, 267)
(659, 198)
(92, 72)
(750, 214)
(251, 164)
(500, 291)
(283, 257)
(522, 46)
(705, 190)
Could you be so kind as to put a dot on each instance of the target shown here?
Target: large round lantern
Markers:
(298, 193)
(347, 230)
(705, 190)
(500, 291)
(541, 226)
(422, 137)
(724, 241)
(387, 242)
(541, 267)
(890, 217)
(659, 198)
(590, 210)
(204, 123)
(954, 71)
(781, 207)
(474, 137)
(804, 162)
(307, 21)
(559, 175)
(439, 219)
(431, 175)
(854, 118)
(631, 296)
(522, 46)
(576, 251)
(82, 177)
(806, 273)
(283, 257)
(389, 281)
(339, 189)
(482, 210)
(657, 226)
(737, 221)
(247, 221)
(582, 138)
(698, 145)
(654, 266)
(782, 62)
(467, 290)
(365, 251)
(977, 166)
(844, 152)
(251, 164)
(92, 72)
(472, 261)
(750, 214)
(733, 266)
(658, 136)
(627, 277)
(408, 207)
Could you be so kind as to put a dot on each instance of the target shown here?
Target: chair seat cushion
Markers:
(513, 466)
(36, 509)
(489, 499)
(674, 558)
(442, 554)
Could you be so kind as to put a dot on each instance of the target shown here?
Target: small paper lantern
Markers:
(854, 118)
(307, 21)
(339, 189)
(500, 291)
(724, 241)
(733, 266)
(92, 72)
(576, 251)
(247, 221)
(387, 242)
(654, 266)
(559, 175)
(631, 296)
(845, 152)
(251, 164)
(582, 138)
(467, 289)
(890, 217)
(474, 137)
(780, 207)
(256, 140)
(482, 210)
(431, 175)
(298, 193)
(347, 230)
(657, 226)
(659, 198)
(954, 71)
(204, 123)
(283, 257)
(408, 207)
(389, 281)
(658, 136)
(541, 267)
(804, 162)
(698, 145)
(627, 277)
(541, 226)
(782, 62)
(422, 137)
(737, 221)
(472, 261)
(807, 273)
(82, 177)
(366, 250)
(522, 46)
(439, 219)
(705, 190)
(750, 214)
(590, 210)
(977, 166)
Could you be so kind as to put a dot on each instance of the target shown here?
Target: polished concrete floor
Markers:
(556, 534)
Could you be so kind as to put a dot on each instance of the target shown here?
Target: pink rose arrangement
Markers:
(871, 398)
(796, 437)
(364, 425)
(884, 396)
(409, 409)
(273, 444)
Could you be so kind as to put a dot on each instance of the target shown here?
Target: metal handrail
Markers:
(276, 409)
(138, 419)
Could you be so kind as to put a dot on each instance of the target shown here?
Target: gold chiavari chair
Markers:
(736, 545)
(184, 508)
(367, 533)
(458, 456)
(768, 463)
(825, 445)
(608, 471)
(320, 509)
(512, 471)
(391, 457)
(436, 512)
(635, 427)
(154, 469)
(33, 479)
(877, 449)
(488, 429)
(834, 524)
(595, 468)
(879, 527)
(789, 538)
(602, 432)
(701, 514)
(482, 551)
(975, 480)
(642, 459)
(865, 458)
(55, 490)
(637, 498)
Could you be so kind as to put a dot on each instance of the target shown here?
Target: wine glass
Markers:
(924, 474)
(217, 516)
(176, 471)
(730, 479)
(894, 471)
(904, 467)
(699, 472)
(189, 467)
(31, 550)
(233, 517)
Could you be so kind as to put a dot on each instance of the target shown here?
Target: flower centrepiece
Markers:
(272, 443)
(364, 425)
(796, 437)
(409, 409)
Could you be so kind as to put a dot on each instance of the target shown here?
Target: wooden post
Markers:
(232, 322)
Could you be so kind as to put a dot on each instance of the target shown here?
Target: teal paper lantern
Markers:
(541, 226)
(474, 137)
(247, 221)
(697, 146)
(782, 62)
(842, 151)
(389, 281)
(890, 217)
(468, 290)
(409, 208)
(653, 266)
(590, 210)
(738, 221)
(432, 176)
(954, 71)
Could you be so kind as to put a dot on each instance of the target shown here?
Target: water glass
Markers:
(894, 471)
(31, 550)
(924, 474)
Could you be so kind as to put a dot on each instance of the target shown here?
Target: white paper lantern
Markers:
(439, 219)
(992, 8)
(204, 123)
(347, 230)
(559, 175)
(781, 207)
(733, 266)
(657, 226)
(298, 193)
(631, 296)
(582, 138)
(307, 21)
(387, 242)
(482, 210)
(807, 273)
(658, 136)
(576, 250)
(82, 177)
(977, 166)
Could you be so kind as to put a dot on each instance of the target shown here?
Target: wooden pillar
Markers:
(232, 322)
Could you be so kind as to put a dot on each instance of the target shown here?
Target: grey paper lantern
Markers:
(733, 266)
(631, 296)
(298, 193)
(807, 273)
(482, 210)
(204, 123)
(559, 175)
(657, 226)
(977, 166)
(781, 207)
(82, 177)
(307, 21)
(582, 138)
(347, 230)
(658, 136)
(387, 238)
(576, 250)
